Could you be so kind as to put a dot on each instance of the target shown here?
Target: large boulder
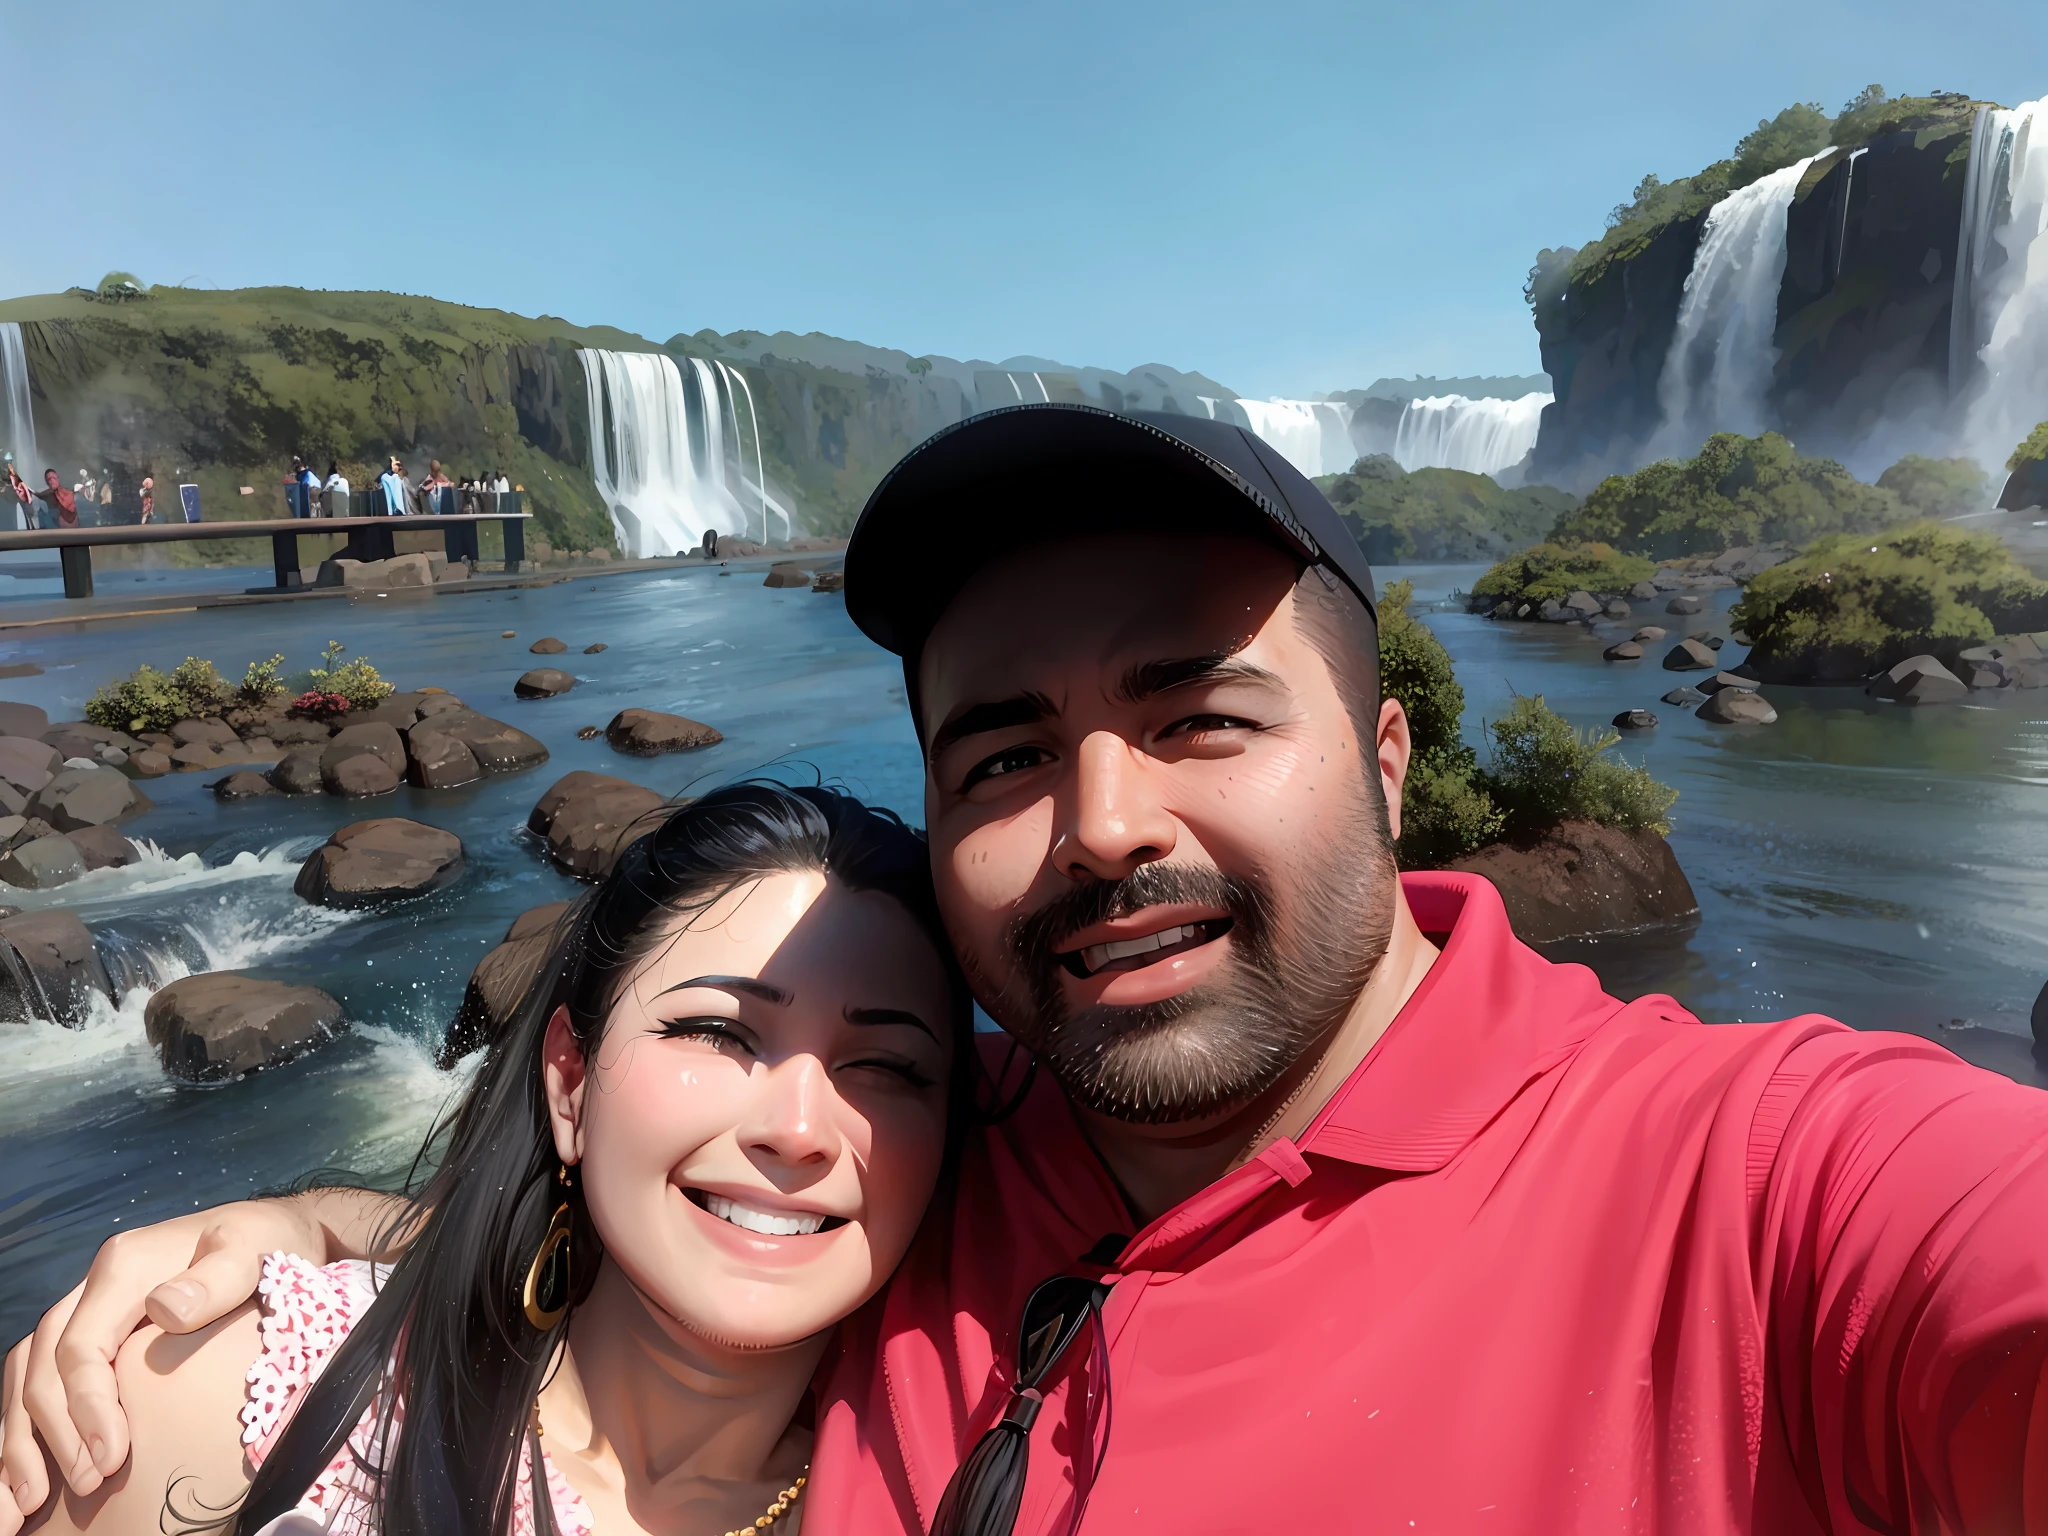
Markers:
(398, 711)
(299, 731)
(1579, 879)
(432, 704)
(499, 981)
(439, 761)
(359, 777)
(374, 737)
(1736, 706)
(649, 732)
(222, 1024)
(787, 574)
(103, 848)
(1920, 680)
(1623, 650)
(388, 859)
(27, 764)
(299, 772)
(1584, 604)
(543, 683)
(52, 977)
(498, 747)
(587, 819)
(22, 720)
(87, 797)
(1685, 607)
(1689, 656)
(246, 785)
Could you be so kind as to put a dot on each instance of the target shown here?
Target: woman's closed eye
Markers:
(710, 1030)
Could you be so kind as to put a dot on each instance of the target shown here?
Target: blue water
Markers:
(1886, 865)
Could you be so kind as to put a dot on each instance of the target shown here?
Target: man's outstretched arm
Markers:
(181, 1275)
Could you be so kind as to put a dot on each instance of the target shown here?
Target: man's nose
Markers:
(790, 1119)
(1113, 821)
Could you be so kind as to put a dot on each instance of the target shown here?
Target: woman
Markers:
(705, 1138)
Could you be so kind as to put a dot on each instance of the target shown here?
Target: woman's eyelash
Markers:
(714, 1030)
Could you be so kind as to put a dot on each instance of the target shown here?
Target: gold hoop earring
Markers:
(546, 1295)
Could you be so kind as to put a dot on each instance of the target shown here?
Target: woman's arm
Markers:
(182, 1275)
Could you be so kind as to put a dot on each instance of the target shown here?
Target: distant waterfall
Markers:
(1312, 435)
(17, 416)
(1723, 356)
(1482, 437)
(1998, 338)
(659, 456)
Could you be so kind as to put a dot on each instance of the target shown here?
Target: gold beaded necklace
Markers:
(773, 1513)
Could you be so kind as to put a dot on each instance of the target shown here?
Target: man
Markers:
(1403, 1227)
(397, 493)
(60, 507)
(334, 492)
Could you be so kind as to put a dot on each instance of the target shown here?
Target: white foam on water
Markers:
(399, 1094)
(48, 1066)
(156, 873)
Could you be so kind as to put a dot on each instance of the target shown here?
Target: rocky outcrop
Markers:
(223, 1025)
(103, 848)
(22, 720)
(1919, 680)
(497, 747)
(787, 574)
(1579, 879)
(500, 981)
(1736, 706)
(543, 683)
(42, 861)
(51, 974)
(587, 819)
(1689, 656)
(367, 863)
(649, 733)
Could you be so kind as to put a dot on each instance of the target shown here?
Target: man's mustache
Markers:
(1036, 939)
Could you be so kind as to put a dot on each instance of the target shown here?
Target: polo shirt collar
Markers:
(1490, 1016)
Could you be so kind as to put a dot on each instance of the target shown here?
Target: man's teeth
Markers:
(768, 1224)
(1096, 956)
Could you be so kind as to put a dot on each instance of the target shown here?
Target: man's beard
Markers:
(1296, 968)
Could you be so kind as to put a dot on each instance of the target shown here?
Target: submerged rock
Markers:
(829, 581)
(222, 1024)
(587, 819)
(52, 978)
(388, 859)
(1737, 706)
(1579, 879)
(592, 650)
(1635, 720)
(649, 732)
(548, 645)
(1685, 607)
(1721, 680)
(1688, 656)
(1685, 697)
(1623, 650)
(787, 574)
(500, 981)
(543, 683)
(246, 785)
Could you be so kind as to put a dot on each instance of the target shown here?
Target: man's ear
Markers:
(1393, 747)
(564, 1075)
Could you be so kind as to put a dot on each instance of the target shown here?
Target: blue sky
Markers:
(1289, 197)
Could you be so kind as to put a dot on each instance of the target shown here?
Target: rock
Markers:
(374, 740)
(1554, 612)
(1919, 680)
(438, 702)
(787, 574)
(1635, 720)
(87, 797)
(26, 763)
(204, 733)
(187, 759)
(54, 979)
(649, 732)
(1688, 656)
(1736, 706)
(42, 862)
(547, 645)
(11, 828)
(298, 731)
(222, 1024)
(1987, 676)
(500, 981)
(1686, 606)
(543, 683)
(243, 786)
(592, 650)
(498, 747)
(367, 862)
(586, 819)
(12, 801)
(1584, 604)
(1649, 634)
(588, 732)
(1624, 650)
(1642, 592)
(398, 572)
(509, 634)
(22, 720)
(359, 777)
(829, 581)
(1617, 609)
(103, 848)
(398, 711)
(1579, 879)
(1712, 642)
(299, 772)
(77, 738)
(1722, 680)
(439, 761)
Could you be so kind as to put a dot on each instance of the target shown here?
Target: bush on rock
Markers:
(1553, 571)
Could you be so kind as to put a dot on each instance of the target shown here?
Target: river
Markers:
(1882, 864)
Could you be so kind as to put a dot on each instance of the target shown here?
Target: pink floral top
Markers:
(307, 1312)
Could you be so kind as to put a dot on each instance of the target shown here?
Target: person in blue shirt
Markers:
(397, 493)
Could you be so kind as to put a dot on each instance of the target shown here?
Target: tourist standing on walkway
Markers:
(334, 494)
(397, 493)
(148, 498)
(60, 506)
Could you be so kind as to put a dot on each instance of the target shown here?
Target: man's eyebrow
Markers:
(745, 985)
(887, 1016)
(1149, 679)
(998, 715)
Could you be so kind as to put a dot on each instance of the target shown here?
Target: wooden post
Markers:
(515, 542)
(77, 562)
(284, 555)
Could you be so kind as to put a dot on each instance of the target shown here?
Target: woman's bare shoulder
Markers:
(185, 1471)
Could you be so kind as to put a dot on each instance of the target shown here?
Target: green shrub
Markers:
(2032, 451)
(1444, 816)
(357, 681)
(1736, 491)
(261, 684)
(1937, 487)
(1848, 607)
(149, 700)
(1439, 514)
(1543, 772)
(1556, 569)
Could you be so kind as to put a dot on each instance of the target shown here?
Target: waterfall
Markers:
(1723, 355)
(664, 484)
(1998, 338)
(1312, 435)
(1482, 437)
(17, 415)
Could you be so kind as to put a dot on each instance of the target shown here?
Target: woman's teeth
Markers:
(1096, 956)
(767, 1223)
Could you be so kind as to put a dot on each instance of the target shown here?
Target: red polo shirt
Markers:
(1546, 1262)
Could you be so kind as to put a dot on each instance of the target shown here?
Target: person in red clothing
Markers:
(1360, 1215)
(62, 503)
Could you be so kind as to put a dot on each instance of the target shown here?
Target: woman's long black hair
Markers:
(447, 1336)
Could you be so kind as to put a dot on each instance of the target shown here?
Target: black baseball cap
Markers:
(1026, 473)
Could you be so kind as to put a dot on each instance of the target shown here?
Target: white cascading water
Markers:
(1998, 341)
(1482, 437)
(1312, 435)
(664, 489)
(17, 416)
(1718, 372)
